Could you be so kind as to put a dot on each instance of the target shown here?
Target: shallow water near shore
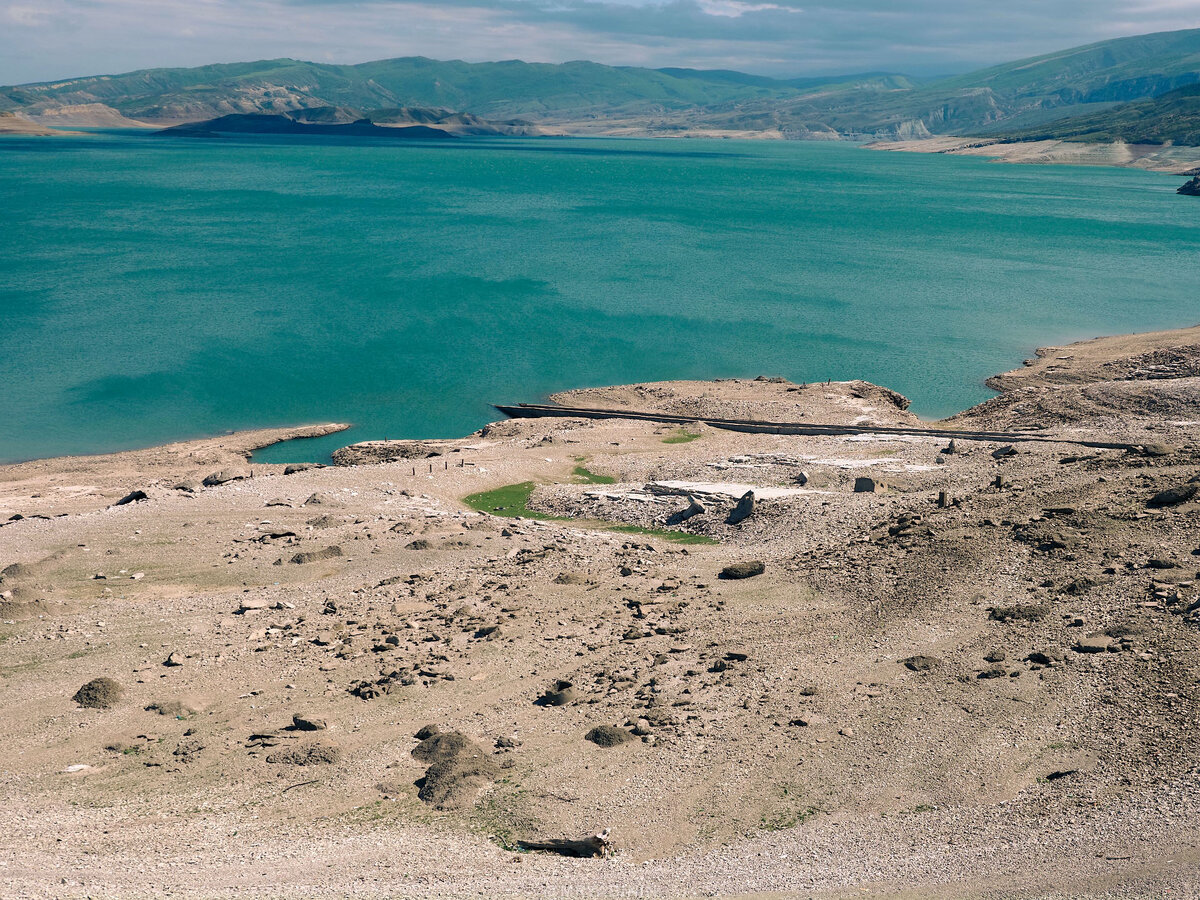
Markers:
(158, 289)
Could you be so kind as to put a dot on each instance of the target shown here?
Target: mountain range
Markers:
(1087, 91)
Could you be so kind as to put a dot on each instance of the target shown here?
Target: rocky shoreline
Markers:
(718, 662)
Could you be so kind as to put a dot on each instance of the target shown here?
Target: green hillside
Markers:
(1028, 94)
(486, 89)
(1173, 118)
(1117, 70)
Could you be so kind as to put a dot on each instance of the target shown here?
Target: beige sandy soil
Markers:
(1155, 158)
(10, 123)
(87, 115)
(979, 681)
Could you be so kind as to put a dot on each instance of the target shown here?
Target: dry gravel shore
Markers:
(978, 678)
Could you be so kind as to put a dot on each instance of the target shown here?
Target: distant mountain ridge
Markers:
(500, 89)
(586, 97)
(1171, 118)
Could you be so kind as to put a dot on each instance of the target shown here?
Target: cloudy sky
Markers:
(50, 39)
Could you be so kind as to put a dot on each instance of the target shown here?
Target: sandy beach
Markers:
(962, 669)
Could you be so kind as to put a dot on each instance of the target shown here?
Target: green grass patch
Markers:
(510, 500)
(513, 500)
(681, 436)
(589, 477)
(679, 537)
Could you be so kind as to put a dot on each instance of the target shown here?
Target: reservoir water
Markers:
(156, 289)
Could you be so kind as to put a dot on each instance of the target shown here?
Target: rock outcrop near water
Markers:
(993, 661)
(1191, 188)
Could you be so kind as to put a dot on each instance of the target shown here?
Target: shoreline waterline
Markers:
(302, 435)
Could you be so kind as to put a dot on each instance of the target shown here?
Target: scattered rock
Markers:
(743, 570)
(1173, 496)
(175, 709)
(188, 750)
(132, 497)
(693, 509)
(1047, 658)
(310, 556)
(560, 694)
(307, 723)
(295, 468)
(921, 663)
(743, 510)
(1096, 642)
(865, 485)
(225, 476)
(1156, 450)
(99, 693)
(173, 659)
(1020, 612)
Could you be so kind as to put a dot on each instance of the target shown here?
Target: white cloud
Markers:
(51, 39)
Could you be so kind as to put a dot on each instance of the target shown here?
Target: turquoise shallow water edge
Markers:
(159, 289)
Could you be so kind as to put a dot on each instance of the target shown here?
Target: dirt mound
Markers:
(311, 556)
(314, 754)
(99, 693)
(442, 746)
(458, 769)
(608, 736)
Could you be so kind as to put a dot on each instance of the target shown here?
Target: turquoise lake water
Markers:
(158, 289)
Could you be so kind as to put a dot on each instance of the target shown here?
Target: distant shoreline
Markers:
(1162, 159)
(1168, 160)
(243, 443)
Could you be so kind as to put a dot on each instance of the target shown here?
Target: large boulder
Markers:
(1173, 496)
(743, 510)
(743, 570)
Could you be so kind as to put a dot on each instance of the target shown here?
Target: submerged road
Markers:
(537, 411)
